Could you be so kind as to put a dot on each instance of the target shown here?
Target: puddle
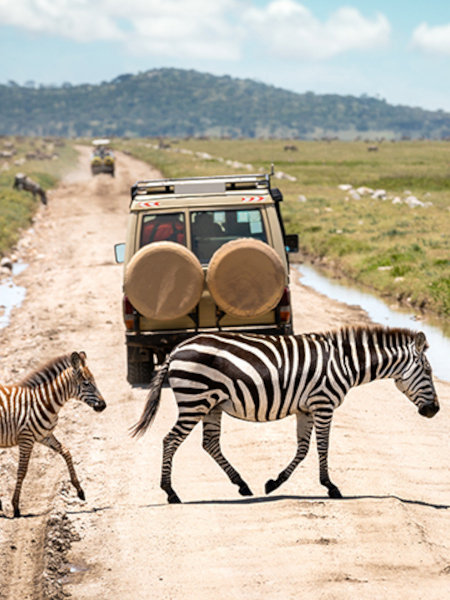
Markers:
(77, 569)
(11, 295)
(381, 313)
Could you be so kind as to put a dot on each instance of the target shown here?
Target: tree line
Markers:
(180, 103)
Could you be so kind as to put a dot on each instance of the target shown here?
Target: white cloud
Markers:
(78, 20)
(432, 39)
(189, 28)
(186, 28)
(201, 29)
(292, 31)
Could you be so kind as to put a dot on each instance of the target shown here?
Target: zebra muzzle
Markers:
(429, 409)
(98, 405)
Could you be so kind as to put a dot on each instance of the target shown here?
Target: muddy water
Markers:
(379, 312)
(11, 295)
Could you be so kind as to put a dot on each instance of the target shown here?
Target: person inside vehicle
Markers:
(163, 227)
(204, 226)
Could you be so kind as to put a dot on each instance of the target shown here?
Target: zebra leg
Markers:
(51, 442)
(304, 429)
(211, 443)
(322, 424)
(176, 436)
(25, 448)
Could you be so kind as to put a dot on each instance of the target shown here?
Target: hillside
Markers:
(172, 102)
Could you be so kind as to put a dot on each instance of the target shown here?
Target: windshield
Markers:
(212, 228)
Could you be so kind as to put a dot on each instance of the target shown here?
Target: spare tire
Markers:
(246, 278)
(164, 281)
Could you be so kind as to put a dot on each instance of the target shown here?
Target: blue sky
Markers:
(397, 50)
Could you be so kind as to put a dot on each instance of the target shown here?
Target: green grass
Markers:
(397, 251)
(18, 207)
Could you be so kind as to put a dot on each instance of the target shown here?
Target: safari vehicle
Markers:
(203, 254)
(102, 159)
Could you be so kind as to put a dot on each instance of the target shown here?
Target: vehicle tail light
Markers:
(284, 306)
(129, 313)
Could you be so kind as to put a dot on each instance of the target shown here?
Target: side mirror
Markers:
(291, 242)
(119, 251)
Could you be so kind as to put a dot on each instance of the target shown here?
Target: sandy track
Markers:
(387, 538)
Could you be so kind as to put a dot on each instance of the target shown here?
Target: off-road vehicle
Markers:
(102, 159)
(202, 254)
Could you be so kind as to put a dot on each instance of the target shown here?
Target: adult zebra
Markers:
(29, 411)
(265, 378)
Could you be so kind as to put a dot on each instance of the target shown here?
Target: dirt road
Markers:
(389, 537)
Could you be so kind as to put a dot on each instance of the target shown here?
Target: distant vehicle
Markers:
(202, 254)
(102, 160)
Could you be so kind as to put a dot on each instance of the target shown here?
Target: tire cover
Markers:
(164, 281)
(246, 278)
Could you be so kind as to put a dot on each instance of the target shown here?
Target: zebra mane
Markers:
(396, 335)
(47, 372)
(380, 329)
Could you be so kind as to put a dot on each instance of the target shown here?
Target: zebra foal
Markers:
(265, 378)
(29, 411)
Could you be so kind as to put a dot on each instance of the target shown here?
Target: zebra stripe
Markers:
(29, 411)
(266, 378)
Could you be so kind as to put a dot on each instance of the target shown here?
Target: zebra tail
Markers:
(153, 398)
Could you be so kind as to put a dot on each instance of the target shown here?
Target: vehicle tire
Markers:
(246, 278)
(138, 371)
(164, 281)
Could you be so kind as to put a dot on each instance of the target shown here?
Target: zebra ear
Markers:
(421, 341)
(75, 360)
(83, 357)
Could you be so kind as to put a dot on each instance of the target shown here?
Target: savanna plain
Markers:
(388, 536)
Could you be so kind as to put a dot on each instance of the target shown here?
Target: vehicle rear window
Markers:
(211, 229)
(163, 227)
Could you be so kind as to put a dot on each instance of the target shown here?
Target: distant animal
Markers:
(291, 147)
(29, 411)
(22, 182)
(266, 378)
(372, 148)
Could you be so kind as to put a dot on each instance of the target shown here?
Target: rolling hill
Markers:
(175, 102)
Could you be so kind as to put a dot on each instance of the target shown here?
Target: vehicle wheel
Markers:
(246, 278)
(164, 281)
(139, 371)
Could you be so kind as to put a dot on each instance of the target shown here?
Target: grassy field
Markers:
(18, 207)
(382, 243)
(396, 250)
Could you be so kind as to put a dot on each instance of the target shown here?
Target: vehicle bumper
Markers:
(162, 342)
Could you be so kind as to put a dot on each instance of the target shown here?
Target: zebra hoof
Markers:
(173, 499)
(273, 484)
(16, 513)
(244, 490)
(81, 495)
(333, 492)
(1, 507)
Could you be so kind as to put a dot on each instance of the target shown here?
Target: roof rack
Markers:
(201, 185)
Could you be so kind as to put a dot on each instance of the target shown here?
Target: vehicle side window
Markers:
(163, 227)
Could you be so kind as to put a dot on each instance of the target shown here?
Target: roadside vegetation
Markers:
(44, 161)
(399, 250)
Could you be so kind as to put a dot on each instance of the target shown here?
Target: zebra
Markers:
(267, 377)
(22, 182)
(29, 411)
